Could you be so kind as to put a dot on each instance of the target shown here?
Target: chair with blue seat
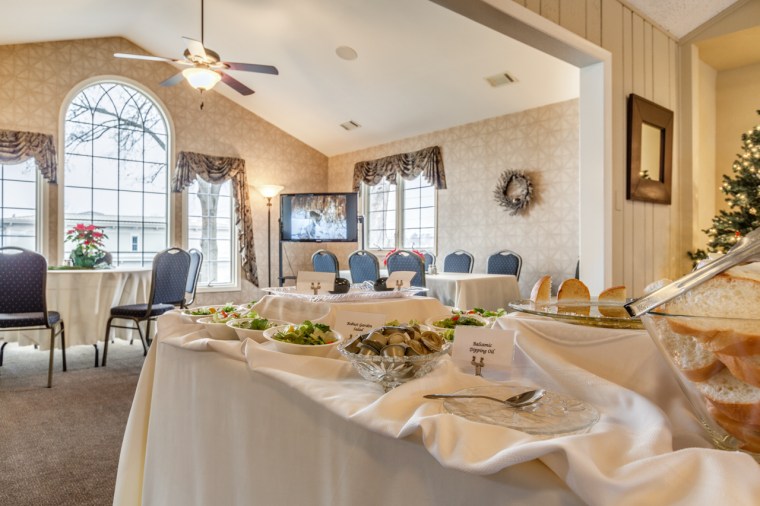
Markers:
(429, 260)
(505, 262)
(196, 262)
(167, 291)
(364, 266)
(325, 261)
(458, 261)
(23, 305)
(405, 260)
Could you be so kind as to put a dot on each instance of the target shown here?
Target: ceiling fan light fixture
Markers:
(201, 78)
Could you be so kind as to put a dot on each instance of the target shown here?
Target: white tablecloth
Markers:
(84, 299)
(238, 423)
(470, 290)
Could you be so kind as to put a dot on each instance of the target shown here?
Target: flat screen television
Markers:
(318, 217)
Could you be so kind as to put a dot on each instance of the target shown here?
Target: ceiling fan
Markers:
(204, 67)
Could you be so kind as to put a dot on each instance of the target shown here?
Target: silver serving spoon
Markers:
(516, 401)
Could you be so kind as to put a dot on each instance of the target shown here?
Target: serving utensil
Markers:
(516, 401)
(747, 247)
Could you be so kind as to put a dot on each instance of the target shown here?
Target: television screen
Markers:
(318, 217)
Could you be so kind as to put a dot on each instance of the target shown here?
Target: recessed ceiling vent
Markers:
(350, 125)
(501, 79)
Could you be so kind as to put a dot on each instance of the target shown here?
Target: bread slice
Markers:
(735, 399)
(748, 434)
(744, 368)
(542, 290)
(574, 292)
(733, 295)
(695, 361)
(611, 301)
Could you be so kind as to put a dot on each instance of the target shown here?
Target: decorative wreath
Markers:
(514, 191)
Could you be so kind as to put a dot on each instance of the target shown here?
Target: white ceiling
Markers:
(420, 68)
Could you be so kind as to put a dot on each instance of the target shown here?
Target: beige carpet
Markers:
(60, 446)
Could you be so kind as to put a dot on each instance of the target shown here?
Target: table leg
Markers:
(97, 353)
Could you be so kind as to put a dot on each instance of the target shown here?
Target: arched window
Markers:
(116, 170)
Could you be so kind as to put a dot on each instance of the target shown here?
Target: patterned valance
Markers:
(217, 169)
(427, 162)
(17, 147)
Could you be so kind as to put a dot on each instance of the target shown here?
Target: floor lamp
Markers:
(269, 191)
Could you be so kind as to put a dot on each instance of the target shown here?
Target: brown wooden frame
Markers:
(640, 112)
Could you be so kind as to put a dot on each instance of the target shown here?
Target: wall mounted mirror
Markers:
(650, 151)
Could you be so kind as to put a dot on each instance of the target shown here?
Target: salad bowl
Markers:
(196, 313)
(446, 324)
(216, 324)
(253, 328)
(314, 339)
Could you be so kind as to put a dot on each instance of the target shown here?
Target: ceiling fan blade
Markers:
(252, 67)
(195, 48)
(143, 57)
(235, 84)
(175, 79)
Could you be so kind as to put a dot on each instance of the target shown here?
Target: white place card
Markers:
(489, 350)
(308, 281)
(405, 277)
(353, 323)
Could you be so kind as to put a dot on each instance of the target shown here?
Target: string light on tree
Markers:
(742, 193)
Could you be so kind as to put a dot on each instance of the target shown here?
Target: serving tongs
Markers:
(747, 248)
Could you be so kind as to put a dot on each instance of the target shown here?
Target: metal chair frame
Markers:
(53, 332)
(324, 252)
(360, 253)
(192, 277)
(458, 253)
(506, 252)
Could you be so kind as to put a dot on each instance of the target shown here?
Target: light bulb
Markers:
(201, 78)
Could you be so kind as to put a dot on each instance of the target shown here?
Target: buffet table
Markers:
(470, 290)
(84, 299)
(228, 422)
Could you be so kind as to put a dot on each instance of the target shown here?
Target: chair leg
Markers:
(63, 346)
(97, 352)
(142, 339)
(50, 365)
(2, 348)
(105, 341)
(147, 332)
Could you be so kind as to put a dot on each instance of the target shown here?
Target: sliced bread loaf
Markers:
(745, 368)
(695, 361)
(735, 399)
(610, 302)
(573, 297)
(542, 290)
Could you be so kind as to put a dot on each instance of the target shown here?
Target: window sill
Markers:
(220, 288)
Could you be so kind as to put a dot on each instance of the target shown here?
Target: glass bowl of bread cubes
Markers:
(710, 336)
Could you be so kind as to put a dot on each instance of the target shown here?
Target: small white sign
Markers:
(488, 351)
(352, 323)
(309, 281)
(400, 279)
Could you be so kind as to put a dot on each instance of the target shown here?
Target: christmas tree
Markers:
(742, 191)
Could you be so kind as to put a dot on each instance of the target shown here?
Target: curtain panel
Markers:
(216, 170)
(17, 147)
(427, 162)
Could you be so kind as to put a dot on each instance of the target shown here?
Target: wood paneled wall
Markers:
(647, 238)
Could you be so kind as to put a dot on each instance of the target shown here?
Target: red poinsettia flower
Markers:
(418, 253)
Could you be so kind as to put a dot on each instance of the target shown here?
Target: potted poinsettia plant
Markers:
(89, 244)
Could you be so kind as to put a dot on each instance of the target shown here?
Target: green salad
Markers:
(458, 319)
(222, 316)
(253, 324)
(485, 313)
(308, 333)
(396, 323)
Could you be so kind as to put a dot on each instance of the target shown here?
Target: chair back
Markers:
(23, 274)
(458, 261)
(429, 259)
(196, 261)
(364, 266)
(405, 260)
(325, 261)
(170, 273)
(505, 262)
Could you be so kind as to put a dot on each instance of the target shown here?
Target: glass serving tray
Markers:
(356, 293)
(553, 415)
(592, 314)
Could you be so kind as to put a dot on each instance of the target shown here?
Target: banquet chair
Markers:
(505, 262)
(23, 304)
(167, 290)
(196, 262)
(405, 260)
(458, 261)
(429, 260)
(325, 261)
(363, 266)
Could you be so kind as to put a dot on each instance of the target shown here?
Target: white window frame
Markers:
(40, 201)
(398, 234)
(170, 133)
(235, 263)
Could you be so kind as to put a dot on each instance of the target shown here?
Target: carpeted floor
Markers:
(60, 446)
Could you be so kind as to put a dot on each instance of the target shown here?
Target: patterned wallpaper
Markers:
(543, 142)
(35, 80)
